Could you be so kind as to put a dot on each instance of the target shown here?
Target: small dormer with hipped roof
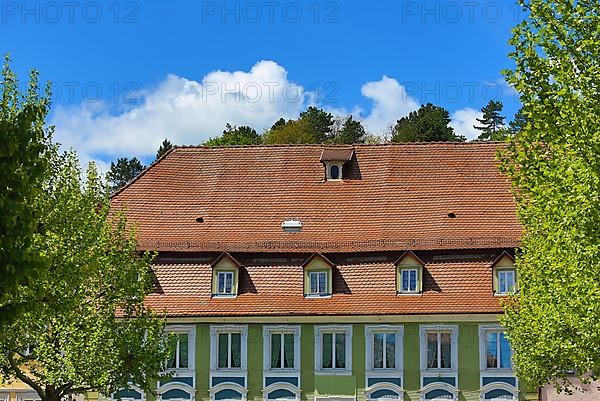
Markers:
(334, 158)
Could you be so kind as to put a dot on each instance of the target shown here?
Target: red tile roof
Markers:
(395, 197)
(455, 285)
(337, 154)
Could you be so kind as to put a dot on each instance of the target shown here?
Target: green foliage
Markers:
(518, 123)
(24, 151)
(429, 123)
(165, 146)
(554, 163)
(85, 323)
(233, 135)
(123, 171)
(352, 131)
(319, 122)
(290, 132)
(492, 121)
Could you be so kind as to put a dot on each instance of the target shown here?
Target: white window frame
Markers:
(513, 272)
(370, 332)
(190, 330)
(320, 291)
(328, 170)
(453, 329)
(214, 350)
(225, 273)
(280, 329)
(408, 270)
(319, 331)
(483, 330)
(27, 396)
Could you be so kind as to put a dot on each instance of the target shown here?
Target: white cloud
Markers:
(185, 111)
(463, 121)
(390, 102)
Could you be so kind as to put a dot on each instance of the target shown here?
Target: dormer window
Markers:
(334, 159)
(409, 274)
(226, 273)
(317, 276)
(504, 275)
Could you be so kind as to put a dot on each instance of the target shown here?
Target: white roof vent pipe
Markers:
(291, 226)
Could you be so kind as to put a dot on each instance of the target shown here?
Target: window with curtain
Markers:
(179, 355)
(318, 283)
(439, 350)
(282, 350)
(333, 350)
(409, 280)
(497, 350)
(384, 350)
(506, 281)
(225, 282)
(229, 350)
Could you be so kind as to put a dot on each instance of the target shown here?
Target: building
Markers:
(331, 273)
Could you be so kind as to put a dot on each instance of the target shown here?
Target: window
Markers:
(225, 283)
(228, 347)
(181, 355)
(333, 348)
(506, 281)
(409, 280)
(384, 347)
(497, 350)
(180, 352)
(281, 347)
(334, 171)
(318, 283)
(439, 346)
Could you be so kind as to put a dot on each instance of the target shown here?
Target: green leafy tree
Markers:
(292, 132)
(165, 146)
(492, 121)
(86, 328)
(123, 171)
(24, 151)
(232, 135)
(429, 123)
(351, 131)
(553, 322)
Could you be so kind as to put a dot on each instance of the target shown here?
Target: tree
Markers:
(292, 132)
(24, 156)
(518, 123)
(553, 323)
(232, 135)
(492, 120)
(165, 146)
(429, 123)
(352, 131)
(86, 328)
(123, 171)
(320, 123)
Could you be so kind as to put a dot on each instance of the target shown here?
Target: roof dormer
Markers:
(318, 276)
(225, 276)
(504, 274)
(334, 159)
(409, 274)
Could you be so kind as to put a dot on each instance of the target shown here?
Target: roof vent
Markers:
(199, 219)
(452, 215)
(291, 226)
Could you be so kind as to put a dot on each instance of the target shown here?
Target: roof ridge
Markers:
(315, 145)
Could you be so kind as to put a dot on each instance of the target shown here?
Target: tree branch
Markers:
(25, 379)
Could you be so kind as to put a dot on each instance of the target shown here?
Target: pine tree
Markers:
(165, 146)
(491, 122)
(123, 171)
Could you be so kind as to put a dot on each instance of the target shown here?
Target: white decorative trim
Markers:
(281, 386)
(131, 387)
(328, 166)
(384, 386)
(438, 386)
(287, 329)
(335, 398)
(454, 348)
(499, 386)
(32, 395)
(319, 330)
(190, 330)
(176, 386)
(369, 331)
(214, 332)
(229, 386)
(482, 353)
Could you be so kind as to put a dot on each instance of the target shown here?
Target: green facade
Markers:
(353, 385)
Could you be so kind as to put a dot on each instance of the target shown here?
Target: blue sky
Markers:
(129, 73)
